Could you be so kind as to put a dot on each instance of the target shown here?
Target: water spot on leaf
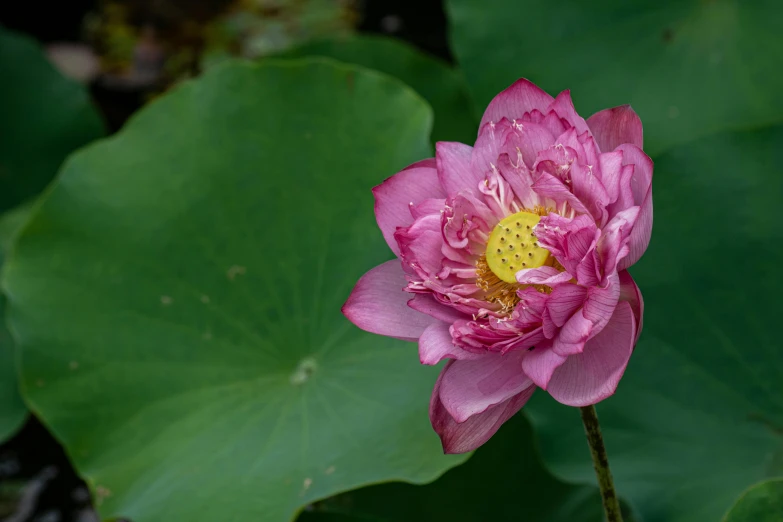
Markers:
(303, 371)
(234, 271)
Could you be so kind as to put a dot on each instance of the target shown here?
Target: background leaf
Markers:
(688, 67)
(177, 299)
(439, 83)
(761, 503)
(12, 409)
(697, 417)
(45, 116)
(504, 480)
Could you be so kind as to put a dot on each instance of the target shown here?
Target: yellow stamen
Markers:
(520, 253)
(512, 246)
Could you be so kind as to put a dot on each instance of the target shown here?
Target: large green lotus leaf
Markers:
(12, 409)
(439, 83)
(761, 503)
(697, 417)
(504, 480)
(45, 116)
(176, 299)
(688, 67)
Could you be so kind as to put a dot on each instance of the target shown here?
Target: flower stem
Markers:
(601, 463)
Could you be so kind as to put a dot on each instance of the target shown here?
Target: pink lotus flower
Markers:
(513, 260)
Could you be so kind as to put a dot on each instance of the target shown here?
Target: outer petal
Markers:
(427, 304)
(631, 294)
(593, 375)
(394, 197)
(435, 344)
(470, 387)
(613, 127)
(379, 305)
(540, 363)
(454, 170)
(521, 97)
(641, 187)
(469, 435)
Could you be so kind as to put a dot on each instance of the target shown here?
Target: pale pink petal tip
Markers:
(379, 305)
(613, 127)
(521, 97)
(475, 431)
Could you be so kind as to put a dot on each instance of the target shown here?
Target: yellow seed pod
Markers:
(512, 246)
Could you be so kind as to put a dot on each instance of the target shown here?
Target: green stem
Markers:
(601, 463)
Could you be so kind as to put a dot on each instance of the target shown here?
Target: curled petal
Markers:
(540, 363)
(395, 196)
(543, 275)
(613, 244)
(641, 189)
(469, 435)
(427, 304)
(564, 301)
(630, 293)
(435, 344)
(563, 106)
(591, 376)
(379, 305)
(470, 387)
(613, 127)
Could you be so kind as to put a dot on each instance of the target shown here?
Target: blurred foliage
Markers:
(761, 503)
(44, 117)
(152, 44)
(688, 67)
(439, 83)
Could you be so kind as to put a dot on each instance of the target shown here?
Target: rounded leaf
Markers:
(177, 297)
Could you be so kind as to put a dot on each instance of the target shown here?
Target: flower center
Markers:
(512, 246)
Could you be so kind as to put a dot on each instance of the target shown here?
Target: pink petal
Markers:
(548, 186)
(601, 302)
(631, 294)
(469, 435)
(393, 198)
(379, 305)
(613, 244)
(543, 275)
(611, 165)
(435, 344)
(487, 147)
(512, 103)
(527, 139)
(563, 106)
(454, 170)
(420, 246)
(427, 304)
(540, 363)
(613, 127)
(564, 301)
(470, 387)
(641, 188)
(593, 375)
(517, 175)
(590, 190)
(573, 335)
